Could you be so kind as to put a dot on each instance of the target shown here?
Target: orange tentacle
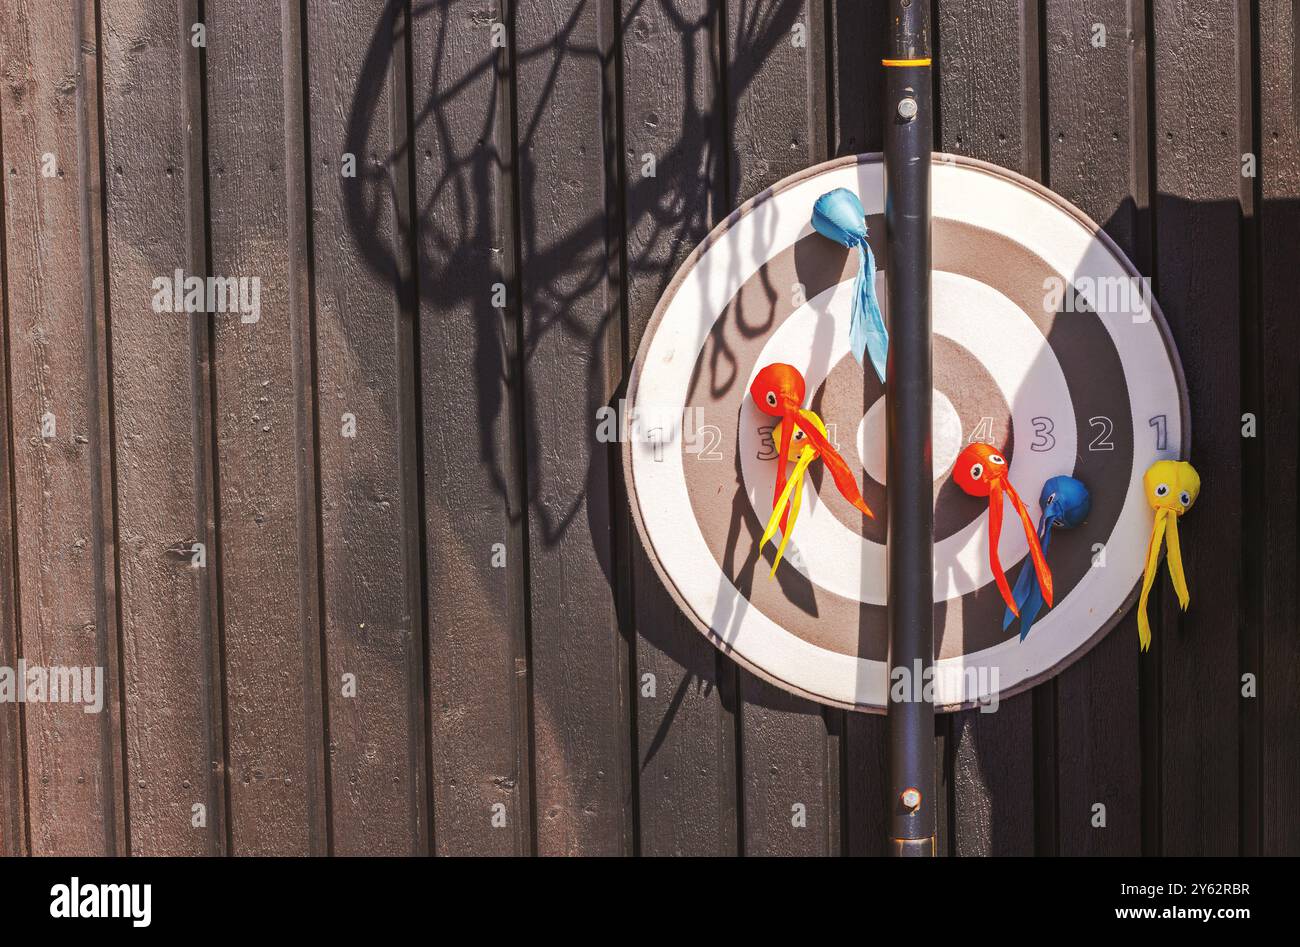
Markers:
(787, 432)
(1035, 548)
(995, 534)
(840, 472)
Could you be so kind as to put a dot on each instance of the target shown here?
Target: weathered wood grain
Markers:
(857, 43)
(167, 544)
(777, 124)
(510, 687)
(573, 352)
(1200, 134)
(1278, 667)
(988, 94)
(673, 169)
(369, 491)
(475, 550)
(1097, 159)
(265, 450)
(54, 303)
(13, 802)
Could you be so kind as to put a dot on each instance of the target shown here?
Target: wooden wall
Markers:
(439, 635)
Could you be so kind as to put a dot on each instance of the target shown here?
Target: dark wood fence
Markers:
(440, 634)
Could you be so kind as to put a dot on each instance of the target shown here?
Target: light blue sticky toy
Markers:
(838, 215)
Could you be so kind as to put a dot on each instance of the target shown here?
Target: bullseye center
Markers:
(946, 436)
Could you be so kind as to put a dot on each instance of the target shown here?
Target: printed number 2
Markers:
(1104, 427)
(1044, 439)
(710, 439)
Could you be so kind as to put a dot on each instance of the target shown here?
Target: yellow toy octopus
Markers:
(1171, 488)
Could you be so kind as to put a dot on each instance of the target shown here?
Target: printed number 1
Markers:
(1161, 424)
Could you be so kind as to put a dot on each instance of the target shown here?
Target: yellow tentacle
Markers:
(774, 520)
(795, 503)
(1149, 578)
(793, 489)
(1175, 560)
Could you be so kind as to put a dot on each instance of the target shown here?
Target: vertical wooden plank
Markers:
(162, 403)
(1278, 670)
(13, 803)
(264, 430)
(943, 723)
(574, 354)
(62, 506)
(370, 510)
(989, 108)
(1097, 159)
(470, 385)
(943, 789)
(1199, 126)
(989, 82)
(857, 32)
(686, 727)
(777, 103)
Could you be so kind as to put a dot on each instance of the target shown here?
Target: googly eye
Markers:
(1185, 498)
(799, 435)
(997, 459)
(1051, 499)
(1162, 490)
(976, 471)
(771, 399)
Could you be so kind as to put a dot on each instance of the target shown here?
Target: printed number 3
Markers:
(1044, 439)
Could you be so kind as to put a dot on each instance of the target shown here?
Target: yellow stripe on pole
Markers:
(905, 62)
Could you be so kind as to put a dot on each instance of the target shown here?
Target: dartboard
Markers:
(1046, 345)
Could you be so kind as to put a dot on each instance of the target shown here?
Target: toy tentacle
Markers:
(995, 535)
(796, 502)
(1175, 560)
(783, 451)
(1149, 577)
(1035, 550)
(840, 472)
(787, 502)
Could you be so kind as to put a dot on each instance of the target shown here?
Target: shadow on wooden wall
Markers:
(419, 620)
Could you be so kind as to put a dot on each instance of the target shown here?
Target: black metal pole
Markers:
(908, 137)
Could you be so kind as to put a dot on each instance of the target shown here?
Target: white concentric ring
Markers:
(946, 438)
(961, 190)
(1003, 338)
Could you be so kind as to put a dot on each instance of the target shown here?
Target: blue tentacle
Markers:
(839, 216)
(868, 336)
(1027, 594)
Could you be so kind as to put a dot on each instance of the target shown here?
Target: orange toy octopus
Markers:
(982, 472)
(779, 390)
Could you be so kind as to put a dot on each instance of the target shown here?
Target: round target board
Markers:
(1045, 345)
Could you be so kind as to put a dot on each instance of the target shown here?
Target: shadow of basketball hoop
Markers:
(576, 260)
(424, 264)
